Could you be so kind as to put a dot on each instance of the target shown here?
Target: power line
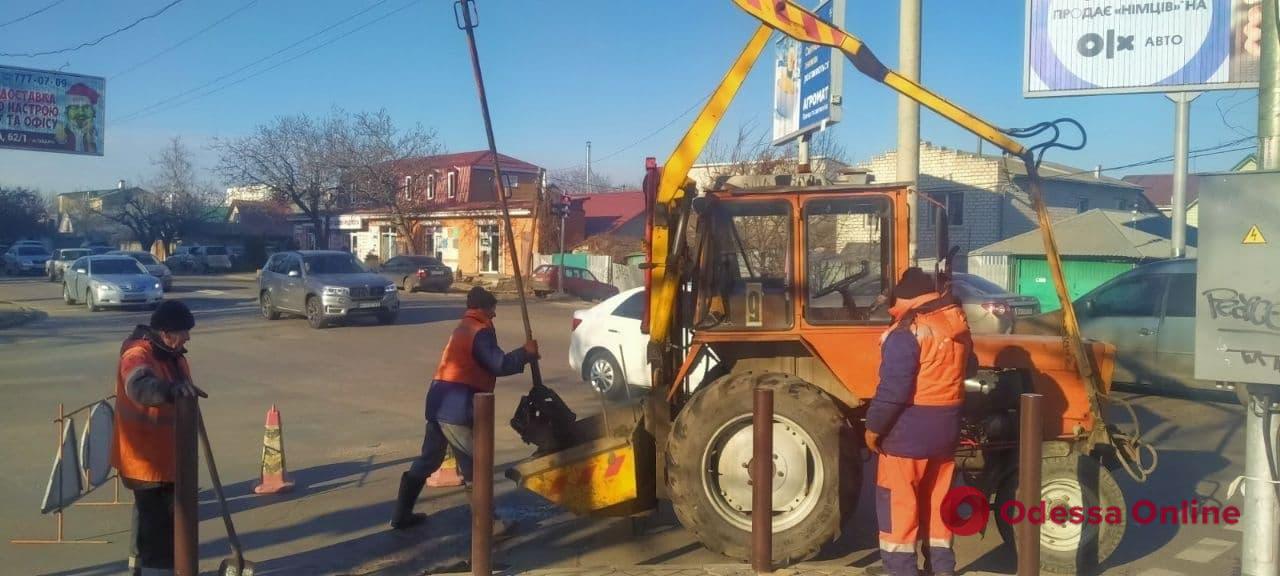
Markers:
(1221, 148)
(156, 105)
(182, 42)
(640, 140)
(96, 41)
(286, 61)
(30, 14)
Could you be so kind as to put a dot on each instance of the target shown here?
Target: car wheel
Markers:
(604, 375)
(88, 301)
(267, 306)
(315, 313)
(540, 293)
(66, 294)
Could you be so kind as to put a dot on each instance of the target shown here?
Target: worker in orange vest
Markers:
(913, 423)
(471, 363)
(151, 375)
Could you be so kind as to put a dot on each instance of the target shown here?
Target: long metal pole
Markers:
(909, 116)
(1261, 538)
(564, 216)
(186, 516)
(589, 167)
(1030, 435)
(498, 185)
(1181, 145)
(482, 486)
(762, 482)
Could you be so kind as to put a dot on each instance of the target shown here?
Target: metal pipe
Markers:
(909, 116)
(186, 517)
(482, 485)
(1181, 146)
(1029, 439)
(498, 186)
(762, 482)
(1260, 551)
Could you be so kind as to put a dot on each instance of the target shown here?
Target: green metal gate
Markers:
(1032, 278)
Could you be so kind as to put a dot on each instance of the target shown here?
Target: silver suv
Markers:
(324, 286)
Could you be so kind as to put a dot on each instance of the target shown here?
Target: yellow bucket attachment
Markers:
(609, 472)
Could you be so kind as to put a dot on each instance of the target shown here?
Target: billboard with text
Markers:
(48, 111)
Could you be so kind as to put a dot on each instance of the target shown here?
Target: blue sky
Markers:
(559, 73)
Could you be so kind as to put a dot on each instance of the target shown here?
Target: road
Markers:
(351, 400)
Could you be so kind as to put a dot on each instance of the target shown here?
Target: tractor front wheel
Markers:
(817, 468)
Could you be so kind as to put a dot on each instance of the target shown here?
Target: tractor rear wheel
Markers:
(816, 461)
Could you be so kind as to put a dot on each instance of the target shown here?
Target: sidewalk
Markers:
(705, 570)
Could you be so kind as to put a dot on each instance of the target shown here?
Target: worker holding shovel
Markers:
(151, 375)
(471, 363)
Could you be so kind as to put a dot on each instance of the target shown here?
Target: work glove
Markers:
(185, 389)
(531, 350)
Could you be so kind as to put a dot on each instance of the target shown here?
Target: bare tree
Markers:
(22, 214)
(182, 202)
(751, 151)
(574, 181)
(293, 158)
(378, 162)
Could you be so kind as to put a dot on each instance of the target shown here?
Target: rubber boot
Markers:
(404, 516)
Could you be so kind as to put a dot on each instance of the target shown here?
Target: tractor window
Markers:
(849, 247)
(746, 275)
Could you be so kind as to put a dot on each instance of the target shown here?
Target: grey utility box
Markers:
(1238, 278)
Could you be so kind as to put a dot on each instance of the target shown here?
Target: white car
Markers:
(607, 347)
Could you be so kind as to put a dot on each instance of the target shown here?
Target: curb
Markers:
(14, 318)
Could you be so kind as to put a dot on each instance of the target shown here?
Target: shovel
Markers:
(236, 565)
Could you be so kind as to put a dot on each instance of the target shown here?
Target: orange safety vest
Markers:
(945, 342)
(144, 435)
(457, 364)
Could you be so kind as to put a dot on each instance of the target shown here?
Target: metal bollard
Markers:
(762, 482)
(1029, 439)
(186, 485)
(482, 486)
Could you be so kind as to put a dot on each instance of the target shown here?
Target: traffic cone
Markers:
(447, 475)
(273, 468)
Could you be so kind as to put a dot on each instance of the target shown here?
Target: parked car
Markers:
(148, 261)
(578, 282)
(26, 258)
(56, 266)
(324, 286)
(413, 273)
(200, 259)
(1148, 313)
(609, 351)
(989, 308)
(110, 281)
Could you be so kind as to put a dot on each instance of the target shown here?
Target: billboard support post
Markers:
(1181, 144)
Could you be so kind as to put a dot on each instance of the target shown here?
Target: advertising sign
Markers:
(807, 82)
(51, 111)
(1077, 47)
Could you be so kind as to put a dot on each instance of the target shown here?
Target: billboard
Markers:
(1077, 47)
(50, 111)
(807, 81)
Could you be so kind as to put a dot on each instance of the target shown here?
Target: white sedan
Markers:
(607, 347)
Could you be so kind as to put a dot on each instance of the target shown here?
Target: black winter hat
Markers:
(480, 298)
(172, 316)
(913, 284)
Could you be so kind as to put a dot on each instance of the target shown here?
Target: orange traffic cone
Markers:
(447, 476)
(273, 469)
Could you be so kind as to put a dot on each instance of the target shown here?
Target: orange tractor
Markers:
(777, 281)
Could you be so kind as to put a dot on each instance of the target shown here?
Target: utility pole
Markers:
(909, 116)
(1181, 144)
(562, 209)
(1261, 534)
(588, 166)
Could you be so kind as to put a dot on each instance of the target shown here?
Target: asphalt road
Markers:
(351, 400)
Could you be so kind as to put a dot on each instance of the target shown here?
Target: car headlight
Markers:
(336, 291)
(156, 286)
(106, 288)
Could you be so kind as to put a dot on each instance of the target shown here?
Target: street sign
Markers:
(48, 111)
(1237, 292)
(807, 82)
(1076, 47)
